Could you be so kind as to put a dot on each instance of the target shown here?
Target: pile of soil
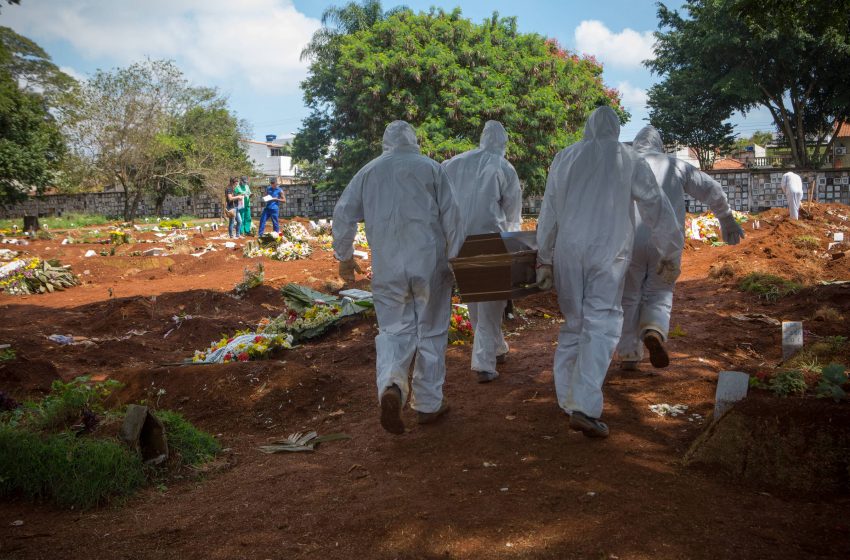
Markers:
(801, 445)
(501, 476)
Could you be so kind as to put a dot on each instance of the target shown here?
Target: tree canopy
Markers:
(147, 129)
(686, 113)
(790, 57)
(446, 76)
(31, 146)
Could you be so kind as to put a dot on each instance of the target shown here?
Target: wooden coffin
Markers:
(496, 266)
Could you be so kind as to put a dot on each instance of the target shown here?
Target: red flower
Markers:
(258, 339)
(229, 340)
(227, 357)
(243, 357)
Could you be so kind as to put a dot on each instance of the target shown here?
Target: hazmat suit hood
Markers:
(602, 124)
(400, 136)
(648, 140)
(494, 138)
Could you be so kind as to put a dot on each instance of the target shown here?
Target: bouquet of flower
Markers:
(296, 232)
(360, 238)
(292, 251)
(34, 276)
(250, 279)
(309, 323)
(118, 237)
(278, 247)
(706, 227)
(460, 328)
(242, 347)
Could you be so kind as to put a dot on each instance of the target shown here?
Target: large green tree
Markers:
(790, 57)
(447, 75)
(31, 146)
(145, 128)
(32, 67)
(687, 113)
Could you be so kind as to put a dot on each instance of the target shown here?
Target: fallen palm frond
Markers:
(301, 442)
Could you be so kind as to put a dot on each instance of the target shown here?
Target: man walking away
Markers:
(488, 194)
(413, 227)
(586, 230)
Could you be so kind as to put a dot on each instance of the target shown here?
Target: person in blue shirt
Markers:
(271, 209)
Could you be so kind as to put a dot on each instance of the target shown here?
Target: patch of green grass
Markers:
(72, 471)
(67, 221)
(806, 242)
(66, 403)
(7, 354)
(768, 286)
(192, 445)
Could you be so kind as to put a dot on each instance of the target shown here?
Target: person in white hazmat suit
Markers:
(647, 298)
(586, 230)
(413, 227)
(793, 187)
(487, 191)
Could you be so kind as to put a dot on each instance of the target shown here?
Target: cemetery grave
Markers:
(502, 475)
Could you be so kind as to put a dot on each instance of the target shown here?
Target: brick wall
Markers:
(752, 190)
(301, 200)
(746, 190)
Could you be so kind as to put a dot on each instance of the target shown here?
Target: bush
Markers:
(768, 286)
(67, 402)
(76, 472)
(190, 444)
(806, 242)
(788, 382)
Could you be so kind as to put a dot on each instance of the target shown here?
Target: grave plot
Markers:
(501, 476)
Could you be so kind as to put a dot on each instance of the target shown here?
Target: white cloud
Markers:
(79, 76)
(634, 98)
(626, 49)
(244, 43)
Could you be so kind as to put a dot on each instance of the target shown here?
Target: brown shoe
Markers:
(391, 410)
(655, 344)
(590, 427)
(629, 365)
(431, 417)
(502, 358)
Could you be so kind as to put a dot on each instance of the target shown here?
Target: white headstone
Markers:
(792, 338)
(731, 387)
(838, 236)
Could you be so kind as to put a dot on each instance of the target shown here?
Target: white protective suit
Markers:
(413, 227)
(793, 187)
(586, 230)
(487, 191)
(647, 298)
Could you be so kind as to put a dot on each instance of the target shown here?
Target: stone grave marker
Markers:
(731, 387)
(792, 338)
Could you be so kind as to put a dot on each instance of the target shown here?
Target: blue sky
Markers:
(250, 49)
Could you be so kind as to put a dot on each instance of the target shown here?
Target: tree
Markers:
(145, 128)
(686, 113)
(790, 57)
(447, 76)
(31, 146)
(32, 67)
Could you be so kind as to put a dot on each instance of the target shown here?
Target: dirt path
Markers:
(500, 477)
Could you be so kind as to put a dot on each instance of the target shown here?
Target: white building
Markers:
(268, 158)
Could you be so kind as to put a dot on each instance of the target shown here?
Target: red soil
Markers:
(550, 493)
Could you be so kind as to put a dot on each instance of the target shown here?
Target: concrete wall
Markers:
(753, 190)
(300, 201)
(747, 190)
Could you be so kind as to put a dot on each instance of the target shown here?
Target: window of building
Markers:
(276, 152)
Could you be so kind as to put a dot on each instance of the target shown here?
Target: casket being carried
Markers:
(496, 266)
